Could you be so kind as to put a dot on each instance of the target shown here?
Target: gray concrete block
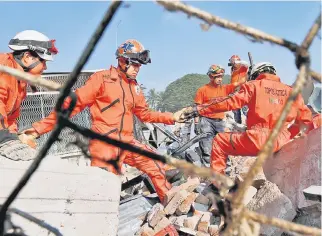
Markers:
(270, 201)
(76, 200)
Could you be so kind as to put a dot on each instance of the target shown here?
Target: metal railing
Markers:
(38, 105)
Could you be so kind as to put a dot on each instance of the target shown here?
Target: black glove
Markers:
(191, 112)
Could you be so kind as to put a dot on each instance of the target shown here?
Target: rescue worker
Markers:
(211, 123)
(265, 96)
(114, 96)
(238, 72)
(31, 51)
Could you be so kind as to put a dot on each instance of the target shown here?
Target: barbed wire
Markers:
(238, 211)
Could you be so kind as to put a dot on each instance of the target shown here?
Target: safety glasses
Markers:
(140, 57)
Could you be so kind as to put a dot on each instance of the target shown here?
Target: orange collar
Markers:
(268, 77)
(116, 73)
(14, 63)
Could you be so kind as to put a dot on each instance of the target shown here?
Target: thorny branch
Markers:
(185, 166)
(64, 93)
(31, 79)
(35, 220)
(63, 115)
(312, 33)
(283, 224)
(245, 30)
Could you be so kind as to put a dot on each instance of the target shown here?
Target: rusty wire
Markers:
(302, 60)
(283, 224)
(256, 34)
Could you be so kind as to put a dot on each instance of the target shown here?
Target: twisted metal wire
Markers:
(237, 211)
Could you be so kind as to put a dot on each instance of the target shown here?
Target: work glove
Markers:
(32, 133)
(190, 112)
(17, 151)
(179, 116)
(28, 139)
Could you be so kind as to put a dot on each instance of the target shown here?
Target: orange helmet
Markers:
(133, 51)
(233, 59)
(215, 70)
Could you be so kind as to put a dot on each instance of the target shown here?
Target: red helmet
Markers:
(133, 51)
(215, 70)
(233, 59)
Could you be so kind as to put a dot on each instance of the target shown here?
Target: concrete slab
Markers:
(296, 167)
(76, 200)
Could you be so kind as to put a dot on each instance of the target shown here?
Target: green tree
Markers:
(181, 92)
(152, 98)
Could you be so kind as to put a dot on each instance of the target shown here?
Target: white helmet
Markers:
(261, 67)
(34, 41)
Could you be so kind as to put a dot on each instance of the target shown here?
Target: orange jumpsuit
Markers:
(209, 92)
(265, 97)
(239, 75)
(12, 94)
(113, 99)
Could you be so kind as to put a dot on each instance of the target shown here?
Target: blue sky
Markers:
(178, 45)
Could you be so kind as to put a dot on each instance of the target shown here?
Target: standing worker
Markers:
(238, 71)
(113, 97)
(211, 123)
(31, 51)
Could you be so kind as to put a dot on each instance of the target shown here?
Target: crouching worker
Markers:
(265, 95)
(31, 50)
(114, 96)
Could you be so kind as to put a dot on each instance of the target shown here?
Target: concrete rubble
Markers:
(190, 206)
(180, 211)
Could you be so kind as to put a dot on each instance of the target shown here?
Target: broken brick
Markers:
(175, 202)
(145, 230)
(155, 214)
(163, 223)
(185, 230)
(170, 194)
(199, 233)
(172, 219)
(204, 222)
(186, 204)
(170, 230)
(192, 222)
(213, 230)
(180, 219)
(189, 186)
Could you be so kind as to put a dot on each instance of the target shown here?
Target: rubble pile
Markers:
(190, 208)
(186, 211)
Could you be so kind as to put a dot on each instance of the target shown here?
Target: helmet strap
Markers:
(25, 68)
(127, 66)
